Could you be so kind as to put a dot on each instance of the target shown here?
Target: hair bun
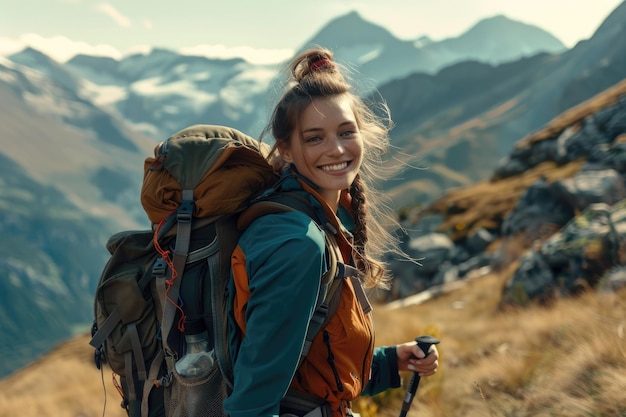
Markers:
(318, 62)
(311, 62)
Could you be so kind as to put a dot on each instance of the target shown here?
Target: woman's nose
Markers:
(336, 146)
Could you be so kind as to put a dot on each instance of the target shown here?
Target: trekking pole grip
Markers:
(424, 343)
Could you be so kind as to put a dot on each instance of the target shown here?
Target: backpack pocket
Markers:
(196, 396)
(122, 305)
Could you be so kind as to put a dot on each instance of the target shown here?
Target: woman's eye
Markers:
(313, 139)
(348, 133)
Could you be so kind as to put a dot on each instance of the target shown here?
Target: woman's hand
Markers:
(411, 358)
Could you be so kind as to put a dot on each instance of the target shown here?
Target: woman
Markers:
(326, 144)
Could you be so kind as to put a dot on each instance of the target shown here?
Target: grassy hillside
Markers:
(567, 359)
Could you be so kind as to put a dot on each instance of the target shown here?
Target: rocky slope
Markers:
(558, 201)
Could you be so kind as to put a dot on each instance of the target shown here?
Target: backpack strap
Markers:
(219, 266)
(181, 250)
(105, 329)
(137, 352)
(278, 202)
(331, 282)
(152, 376)
(329, 296)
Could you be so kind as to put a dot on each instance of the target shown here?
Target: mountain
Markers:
(70, 175)
(460, 122)
(495, 40)
(51, 250)
(162, 92)
(369, 48)
(376, 54)
(598, 62)
(65, 140)
(82, 113)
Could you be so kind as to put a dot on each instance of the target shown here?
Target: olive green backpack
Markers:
(160, 282)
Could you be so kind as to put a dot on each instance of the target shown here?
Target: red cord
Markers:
(117, 384)
(169, 282)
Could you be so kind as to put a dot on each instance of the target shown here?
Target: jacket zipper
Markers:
(331, 361)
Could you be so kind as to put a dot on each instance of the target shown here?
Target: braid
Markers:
(357, 192)
(374, 270)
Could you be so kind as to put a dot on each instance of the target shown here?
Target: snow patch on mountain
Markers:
(104, 96)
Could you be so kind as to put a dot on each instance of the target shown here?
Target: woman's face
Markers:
(326, 146)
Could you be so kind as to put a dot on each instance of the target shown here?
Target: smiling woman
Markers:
(320, 121)
(328, 145)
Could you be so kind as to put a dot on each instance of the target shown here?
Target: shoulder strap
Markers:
(332, 282)
(181, 250)
(278, 202)
(219, 266)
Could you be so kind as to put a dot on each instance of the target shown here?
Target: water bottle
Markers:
(197, 360)
(193, 367)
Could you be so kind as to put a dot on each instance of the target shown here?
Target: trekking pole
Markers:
(424, 343)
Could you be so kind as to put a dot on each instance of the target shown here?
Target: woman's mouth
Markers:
(335, 167)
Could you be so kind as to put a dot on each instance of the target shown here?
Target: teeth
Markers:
(335, 167)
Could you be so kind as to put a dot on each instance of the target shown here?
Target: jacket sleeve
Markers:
(284, 256)
(384, 371)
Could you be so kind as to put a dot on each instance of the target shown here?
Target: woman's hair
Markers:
(314, 74)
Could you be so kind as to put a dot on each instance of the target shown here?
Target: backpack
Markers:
(204, 185)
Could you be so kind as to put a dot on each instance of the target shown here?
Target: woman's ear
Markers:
(285, 153)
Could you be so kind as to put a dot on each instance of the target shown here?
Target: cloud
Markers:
(10, 46)
(257, 56)
(58, 48)
(62, 49)
(112, 12)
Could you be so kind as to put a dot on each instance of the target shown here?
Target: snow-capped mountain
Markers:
(161, 92)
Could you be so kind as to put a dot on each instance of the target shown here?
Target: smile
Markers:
(335, 167)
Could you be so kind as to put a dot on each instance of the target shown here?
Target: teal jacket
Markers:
(284, 256)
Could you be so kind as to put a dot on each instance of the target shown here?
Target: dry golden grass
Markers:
(486, 203)
(566, 359)
(64, 383)
(575, 114)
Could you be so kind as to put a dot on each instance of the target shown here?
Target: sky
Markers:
(262, 31)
